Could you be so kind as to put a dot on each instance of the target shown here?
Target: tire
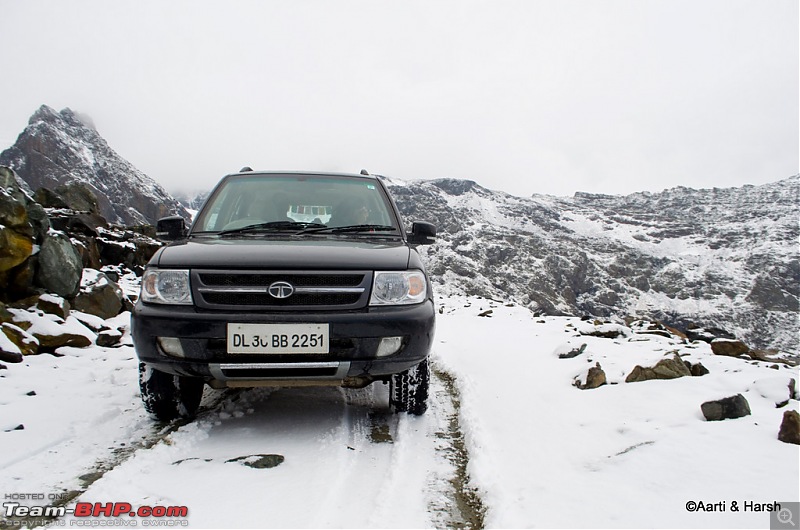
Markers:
(168, 396)
(408, 391)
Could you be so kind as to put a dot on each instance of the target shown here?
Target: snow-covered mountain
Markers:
(725, 258)
(58, 148)
(722, 258)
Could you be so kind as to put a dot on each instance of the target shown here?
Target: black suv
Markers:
(286, 279)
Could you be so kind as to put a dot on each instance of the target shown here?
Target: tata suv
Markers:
(286, 279)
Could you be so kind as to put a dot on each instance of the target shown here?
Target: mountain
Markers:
(59, 148)
(721, 258)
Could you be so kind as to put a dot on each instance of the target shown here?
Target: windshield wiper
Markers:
(349, 228)
(273, 226)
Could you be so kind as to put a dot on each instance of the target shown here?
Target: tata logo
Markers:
(281, 290)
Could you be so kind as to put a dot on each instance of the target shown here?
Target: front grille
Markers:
(264, 280)
(261, 299)
(248, 290)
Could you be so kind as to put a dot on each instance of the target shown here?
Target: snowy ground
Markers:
(535, 452)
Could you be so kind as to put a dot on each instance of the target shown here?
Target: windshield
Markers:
(294, 202)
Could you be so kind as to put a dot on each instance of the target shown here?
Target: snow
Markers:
(539, 451)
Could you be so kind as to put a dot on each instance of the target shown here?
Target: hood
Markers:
(304, 254)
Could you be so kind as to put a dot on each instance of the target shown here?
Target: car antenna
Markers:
(245, 169)
(364, 172)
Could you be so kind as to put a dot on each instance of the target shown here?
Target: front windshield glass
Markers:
(333, 201)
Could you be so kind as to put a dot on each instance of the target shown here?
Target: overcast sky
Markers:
(535, 96)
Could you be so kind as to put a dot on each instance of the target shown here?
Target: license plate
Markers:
(278, 338)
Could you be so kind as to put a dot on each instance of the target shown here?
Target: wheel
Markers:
(168, 396)
(408, 391)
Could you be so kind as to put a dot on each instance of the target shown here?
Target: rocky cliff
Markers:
(58, 149)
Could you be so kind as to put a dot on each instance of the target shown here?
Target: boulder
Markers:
(698, 369)
(727, 408)
(50, 199)
(708, 334)
(605, 331)
(595, 378)
(729, 347)
(99, 296)
(649, 327)
(54, 305)
(54, 334)
(79, 196)
(670, 368)
(571, 352)
(60, 265)
(9, 351)
(27, 343)
(777, 389)
(5, 314)
(790, 428)
(38, 219)
(13, 213)
(109, 338)
(15, 248)
(20, 281)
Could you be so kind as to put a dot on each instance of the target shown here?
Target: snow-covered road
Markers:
(508, 441)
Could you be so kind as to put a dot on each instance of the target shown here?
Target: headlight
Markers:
(398, 288)
(166, 287)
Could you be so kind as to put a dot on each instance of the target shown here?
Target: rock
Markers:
(126, 248)
(60, 266)
(698, 370)
(50, 199)
(54, 305)
(664, 369)
(13, 213)
(595, 378)
(5, 314)
(727, 408)
(649, 327)
(50, 341)
(38, 219)
(777, 389)
(605, 331)
(574, 352)
(108, 338)
(89, 250)
(99, 296)
(9, 352)
(27, 343)
(487, 313)
(20, 280)
(15, 248)
(259, 461)
(86, 223)
(728, 347)
(79, 196)
(790, 428)
(694, 332)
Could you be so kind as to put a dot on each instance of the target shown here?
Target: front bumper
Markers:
(354, 340)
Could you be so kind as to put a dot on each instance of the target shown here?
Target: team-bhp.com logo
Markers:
(15, 510)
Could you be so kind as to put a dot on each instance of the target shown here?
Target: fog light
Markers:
(389, 345)
(171, 346)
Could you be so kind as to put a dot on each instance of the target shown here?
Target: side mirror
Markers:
(171, 228)
(422, 234)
